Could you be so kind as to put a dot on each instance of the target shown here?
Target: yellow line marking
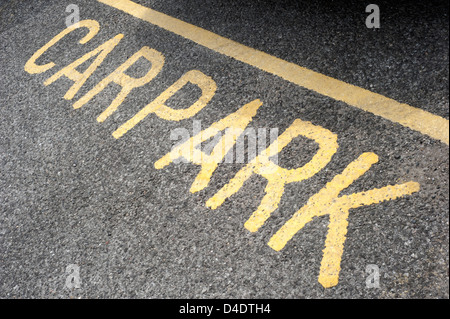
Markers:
(408, 116)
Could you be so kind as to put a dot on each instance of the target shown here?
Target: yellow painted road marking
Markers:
(31, 66)
(278, 177)
(327, 202)
(80, 78)
(408, 116)
(127, 82)
(234, 124)
(204, 82)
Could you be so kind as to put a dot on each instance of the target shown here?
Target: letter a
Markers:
(234, 124)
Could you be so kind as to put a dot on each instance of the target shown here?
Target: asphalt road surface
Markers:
(351, 200)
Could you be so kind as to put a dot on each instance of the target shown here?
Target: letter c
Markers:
(31, 66)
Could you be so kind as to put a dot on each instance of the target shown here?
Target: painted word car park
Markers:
(353, 156)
